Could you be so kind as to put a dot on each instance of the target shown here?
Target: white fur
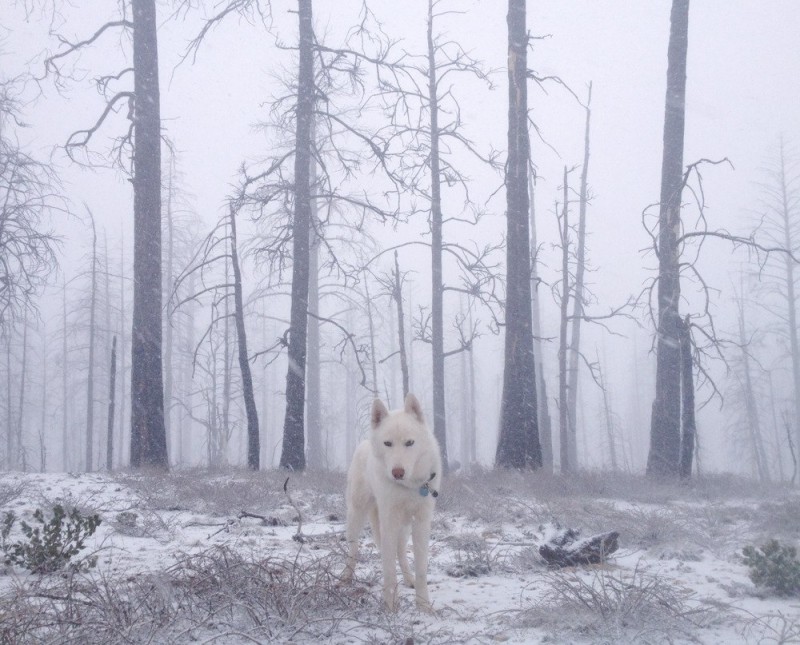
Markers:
(395, 507)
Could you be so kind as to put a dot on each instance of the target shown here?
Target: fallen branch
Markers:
(566, 550)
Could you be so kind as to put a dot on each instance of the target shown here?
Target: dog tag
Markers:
(423, 490)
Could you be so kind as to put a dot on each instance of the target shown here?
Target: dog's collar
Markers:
(427, 488)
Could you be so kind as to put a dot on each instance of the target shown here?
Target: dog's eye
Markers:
(388, 444)
(410, 442)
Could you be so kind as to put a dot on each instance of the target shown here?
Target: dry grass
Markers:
(615, 607)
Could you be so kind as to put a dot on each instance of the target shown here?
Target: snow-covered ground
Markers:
(178, 562)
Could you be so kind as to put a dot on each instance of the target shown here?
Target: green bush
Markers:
(774, 566)
(51, 543)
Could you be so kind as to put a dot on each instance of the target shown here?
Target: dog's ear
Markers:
(412, 406)
(379, 413)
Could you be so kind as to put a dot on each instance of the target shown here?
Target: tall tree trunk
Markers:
(397, 293)
(121, 432)
(568, 444)
(227, 369)
(293, 454)
(545, 425)
(148, 432)
(776, 430)
(43, 431)
(253, 438)
(371, 326)
(112, 393)
(752, 417)
(22, 457)
(10, 453)
(665, 431)
(609, 419)
(688, 423)
(169, 283)
(437, 280)
(791, 291)
(518, 445)
(90, 373)
(313, 367)
(579, 295)
(64, 384)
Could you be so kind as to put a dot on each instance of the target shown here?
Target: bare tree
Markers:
(29, 195)
(518, 445)
(665, 430)
(143, 136)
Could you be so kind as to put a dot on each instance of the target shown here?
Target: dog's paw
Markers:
(424, 606)
(410, 582)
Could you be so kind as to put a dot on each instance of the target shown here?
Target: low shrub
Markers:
(774, 566)
(49, 544)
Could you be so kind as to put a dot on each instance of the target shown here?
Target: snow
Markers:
(179, 542)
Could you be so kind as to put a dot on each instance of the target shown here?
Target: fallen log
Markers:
(567, 549)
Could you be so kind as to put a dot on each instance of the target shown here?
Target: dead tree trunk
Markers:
(545, 425)
(579, 295)
(293, 453)
(789, 239)
(148, 433)
(518, 445)
(665, 456)
(688, 424)
(313, 367)
(253, 439)
(112, 393)
(90, 377)
(568, 443)
(752, 417)
(397, 294)
(437, 279)
(64, 383)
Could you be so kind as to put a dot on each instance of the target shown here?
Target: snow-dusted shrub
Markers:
(774, 566)
(616, 606)
(472, 556)
(50, 544)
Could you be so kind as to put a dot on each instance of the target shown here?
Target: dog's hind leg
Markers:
(402, 555)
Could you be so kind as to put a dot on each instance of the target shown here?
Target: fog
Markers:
(215, 101)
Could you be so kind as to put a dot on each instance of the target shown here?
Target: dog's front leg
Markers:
(389, 543)
(420, 536)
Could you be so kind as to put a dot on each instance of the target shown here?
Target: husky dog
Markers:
(393, 480)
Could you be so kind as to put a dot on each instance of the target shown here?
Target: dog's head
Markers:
(405, 448)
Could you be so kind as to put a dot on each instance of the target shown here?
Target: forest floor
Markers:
(178, 562)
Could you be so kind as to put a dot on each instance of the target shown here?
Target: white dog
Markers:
(393, 479)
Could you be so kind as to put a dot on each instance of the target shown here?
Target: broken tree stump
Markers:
(567, 549)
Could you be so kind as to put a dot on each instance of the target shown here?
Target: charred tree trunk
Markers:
(90, 377)
(545, 425)
(169, 284)
(688, 424)
(397, 293)
(314, 393)
(752, 417)
(437, 279)
(112, 393)
(148, 432)
(568, 443)
(665, 458)
(253, 438)
(64, 384)
(43, 431)
(789, 241)
(578, 303)
(518, 445)
(293, 453)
